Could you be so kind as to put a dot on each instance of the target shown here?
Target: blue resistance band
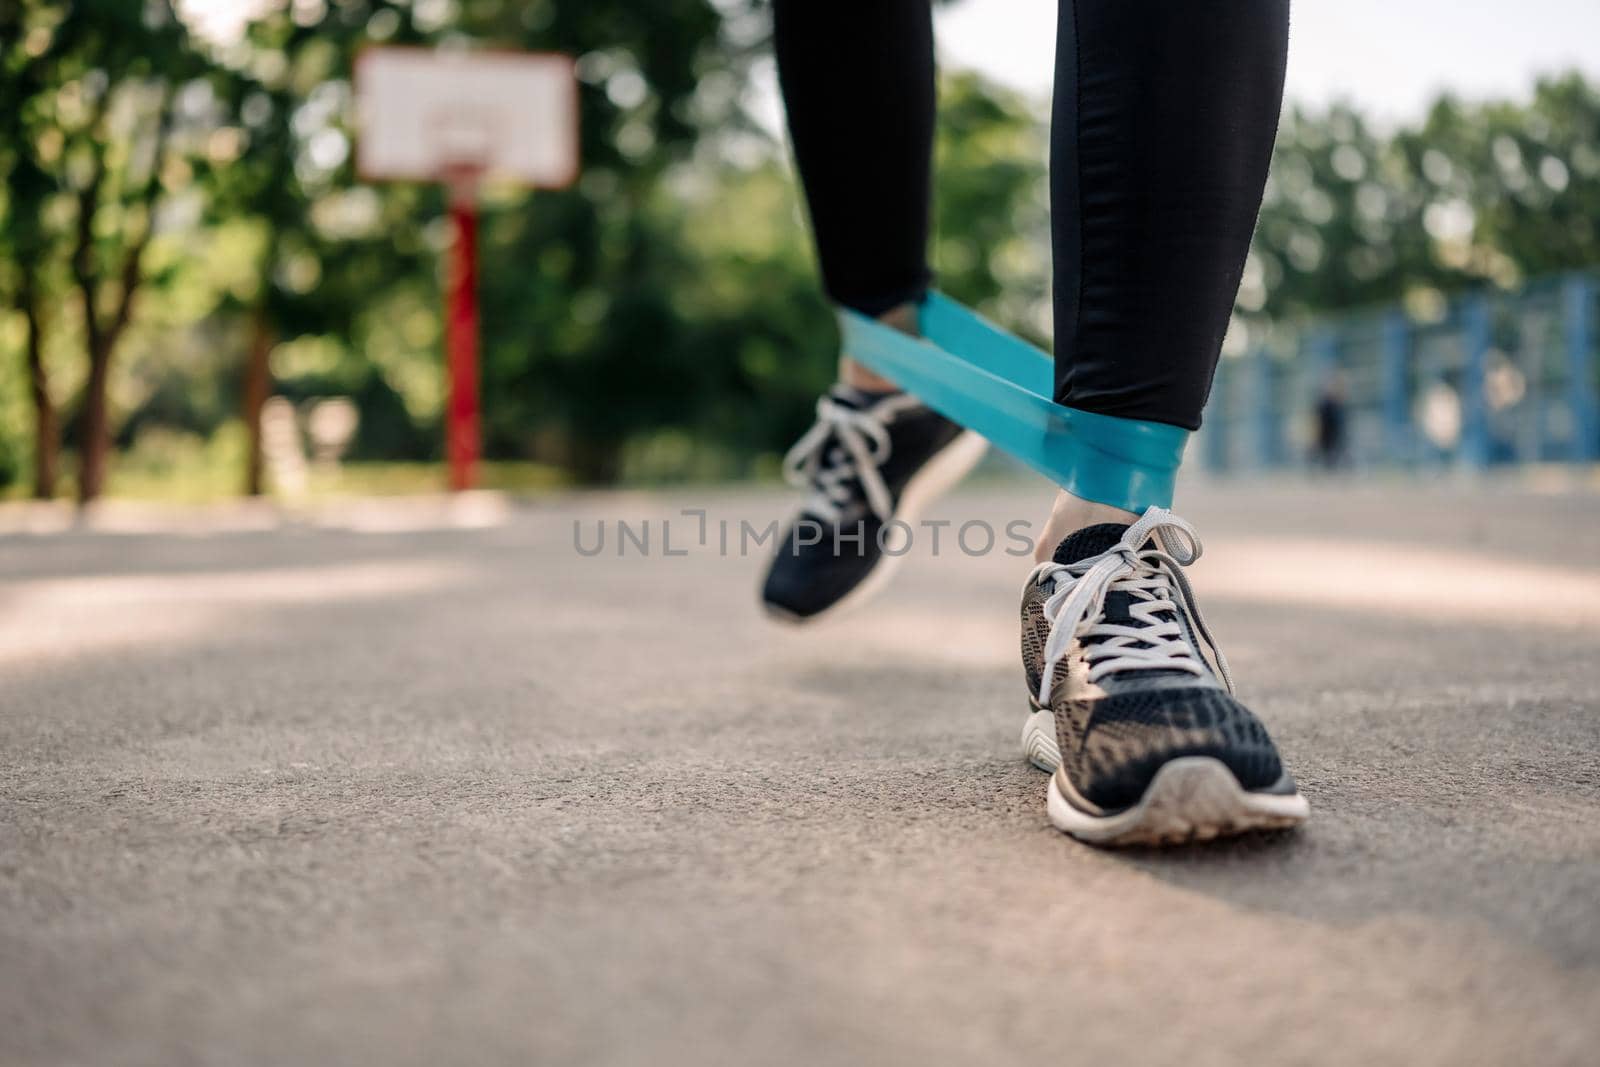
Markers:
(975, 374)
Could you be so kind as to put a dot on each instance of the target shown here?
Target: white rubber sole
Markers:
(1195, 798)
(938, 477)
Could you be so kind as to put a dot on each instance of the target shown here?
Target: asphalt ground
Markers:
(390, 787)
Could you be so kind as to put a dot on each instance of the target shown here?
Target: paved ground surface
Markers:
(409, 795)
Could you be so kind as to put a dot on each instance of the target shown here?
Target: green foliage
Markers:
(658, 320)
(103, 101)
(991, 246)
(1485, 194)
(10, 462)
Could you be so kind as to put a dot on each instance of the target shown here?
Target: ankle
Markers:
(853, 374)
(1071, 513)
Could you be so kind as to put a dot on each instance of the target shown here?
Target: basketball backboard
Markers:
(427, 115)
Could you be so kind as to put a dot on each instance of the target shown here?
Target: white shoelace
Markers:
(861, 448)
(1154, 640)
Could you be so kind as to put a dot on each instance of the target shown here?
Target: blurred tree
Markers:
(25, 240)
(588, 337)
(95, 104)
(1330, 220)
(991, 243)
(1522, 181)
(321, 247)
(1486, 194)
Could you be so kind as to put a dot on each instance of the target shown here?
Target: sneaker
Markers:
(870, 460)
(1133, 708)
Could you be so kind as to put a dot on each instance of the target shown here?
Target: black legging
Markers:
(1165, 113)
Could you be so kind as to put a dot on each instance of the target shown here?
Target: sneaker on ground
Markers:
(872, 461)
(1133, 708)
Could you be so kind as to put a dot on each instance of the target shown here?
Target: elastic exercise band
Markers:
(1000, 386)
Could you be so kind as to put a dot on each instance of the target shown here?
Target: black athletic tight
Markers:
(1165, 113)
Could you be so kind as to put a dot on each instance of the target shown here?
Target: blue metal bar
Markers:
(1476, 340)
(1583, 392)
(1214, 434)
(1269, 451)
(1396, 355)
(1324, 349)
(976, 374)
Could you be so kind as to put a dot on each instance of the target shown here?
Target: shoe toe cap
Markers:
(805, 580)
(1131, 736)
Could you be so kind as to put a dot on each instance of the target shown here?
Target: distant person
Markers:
(1330, 418)
(1165, 115)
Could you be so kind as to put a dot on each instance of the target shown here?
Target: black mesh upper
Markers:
(1113, 746)
(1035, 632)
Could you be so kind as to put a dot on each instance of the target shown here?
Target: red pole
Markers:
(461, 339)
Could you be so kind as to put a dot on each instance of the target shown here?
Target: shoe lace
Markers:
(846, 444)
(1154, 639)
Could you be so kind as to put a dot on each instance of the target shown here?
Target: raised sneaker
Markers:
(872, 462)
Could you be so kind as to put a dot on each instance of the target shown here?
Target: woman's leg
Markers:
(858, 83)
(858, 86)
(1165, 114)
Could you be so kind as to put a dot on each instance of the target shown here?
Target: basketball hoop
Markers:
(461, 118)
(513, 115)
